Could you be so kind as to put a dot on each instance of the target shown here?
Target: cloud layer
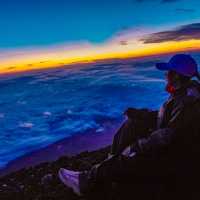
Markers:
(186, 32)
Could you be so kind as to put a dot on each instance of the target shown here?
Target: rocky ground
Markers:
(41, 182)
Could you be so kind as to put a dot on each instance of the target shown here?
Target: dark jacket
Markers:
(177, 138)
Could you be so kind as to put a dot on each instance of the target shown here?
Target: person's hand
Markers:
(126, 151)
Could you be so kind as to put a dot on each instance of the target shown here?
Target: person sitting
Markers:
(171, 148)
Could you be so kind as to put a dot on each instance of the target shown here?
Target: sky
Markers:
(48, 33)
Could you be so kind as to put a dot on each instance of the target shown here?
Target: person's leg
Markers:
(116, 168)
(122, 169)
(141, 172)
(124, 137)
(132, 129)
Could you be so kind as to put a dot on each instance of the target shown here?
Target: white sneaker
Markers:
(71, 179)
(70, 172)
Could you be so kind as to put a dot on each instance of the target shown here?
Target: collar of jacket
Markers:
(183, 90)
(189, 86)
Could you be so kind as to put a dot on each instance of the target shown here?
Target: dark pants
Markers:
(119, 167)
(124, 169)
(125, 136)
(131, 130)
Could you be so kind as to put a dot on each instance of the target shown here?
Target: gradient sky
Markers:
(41, 25)
(40, 22)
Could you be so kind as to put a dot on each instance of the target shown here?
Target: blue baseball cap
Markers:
(182, 64)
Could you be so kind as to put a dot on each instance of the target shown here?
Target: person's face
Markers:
(171, 77)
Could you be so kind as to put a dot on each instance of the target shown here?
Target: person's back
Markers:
(186, 147)
(180, 158)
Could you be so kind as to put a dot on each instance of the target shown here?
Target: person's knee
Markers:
(130, 121)
(126, 130)
(125, 126)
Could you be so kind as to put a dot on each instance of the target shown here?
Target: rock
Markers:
(21, 187)
(46, 179)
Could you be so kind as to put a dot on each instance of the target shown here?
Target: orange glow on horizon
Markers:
(59, 57)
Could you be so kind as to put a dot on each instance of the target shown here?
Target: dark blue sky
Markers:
(42, 22)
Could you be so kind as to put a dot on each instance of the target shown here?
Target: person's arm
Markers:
(133, 113)
(180, 117)
(145, 120)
